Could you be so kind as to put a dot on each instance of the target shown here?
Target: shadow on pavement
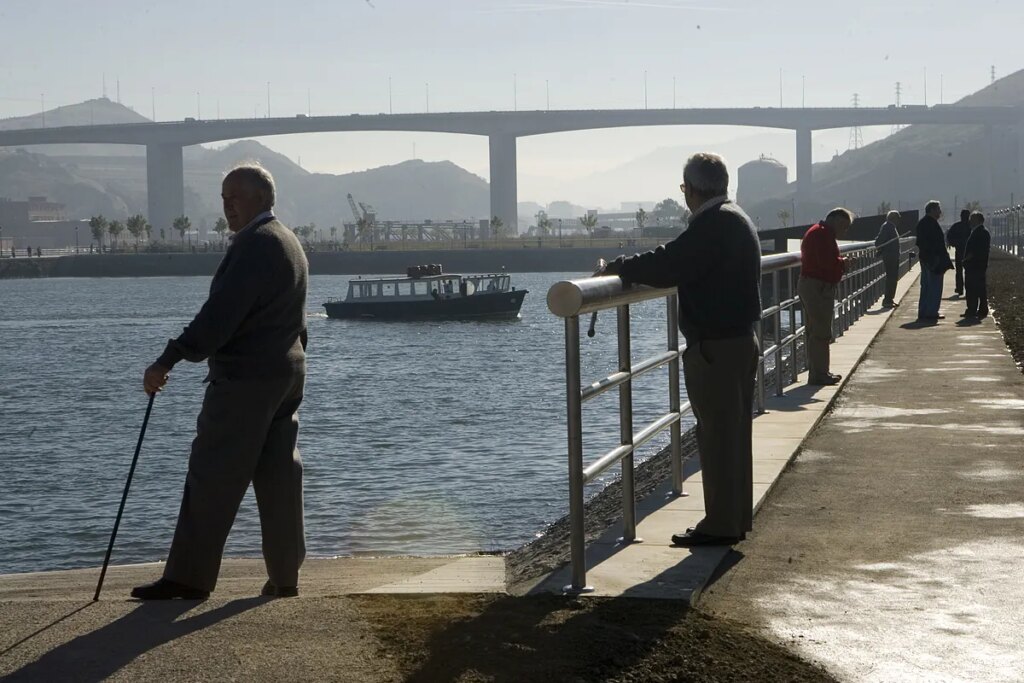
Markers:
(919, 324)
(100, 654)
(548, 638)
(44, 629)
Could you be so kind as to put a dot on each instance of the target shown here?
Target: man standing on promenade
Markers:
(956, 238)
(252, 330)
(976, 250)
(888, 245)
(931, 250)
(821, 269)
(716, 267)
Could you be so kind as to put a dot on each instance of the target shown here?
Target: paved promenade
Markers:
(893, 548)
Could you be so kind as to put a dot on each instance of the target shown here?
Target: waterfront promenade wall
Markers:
(525, 260)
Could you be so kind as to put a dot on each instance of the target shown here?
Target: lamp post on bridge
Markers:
(76, 239)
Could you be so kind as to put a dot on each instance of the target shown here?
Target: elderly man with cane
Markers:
(716, 268)
(252, 331)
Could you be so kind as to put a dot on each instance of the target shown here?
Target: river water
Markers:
(417, 438)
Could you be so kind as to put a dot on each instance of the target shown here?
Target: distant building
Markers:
(763, 178)
(37, 222)
(636, 206)
(31, 210)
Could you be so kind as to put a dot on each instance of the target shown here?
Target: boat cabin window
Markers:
(362, 289)
(420, 287)
(388, 289)
(492, 284)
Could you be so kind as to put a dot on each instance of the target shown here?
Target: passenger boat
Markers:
(428, 293)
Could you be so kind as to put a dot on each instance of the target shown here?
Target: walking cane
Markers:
(124, 497)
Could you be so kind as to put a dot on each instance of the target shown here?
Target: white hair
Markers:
(893, 216)
(257, 177)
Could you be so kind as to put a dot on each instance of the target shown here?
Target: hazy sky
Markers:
(336, 56)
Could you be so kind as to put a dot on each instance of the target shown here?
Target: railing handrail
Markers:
(586, 295)
(569, 299)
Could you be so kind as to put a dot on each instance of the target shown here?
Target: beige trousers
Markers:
(720, 376)
(818, 298)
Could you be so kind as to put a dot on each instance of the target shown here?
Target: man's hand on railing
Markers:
(611, 268)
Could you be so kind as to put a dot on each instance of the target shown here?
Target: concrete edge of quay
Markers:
(527, 259)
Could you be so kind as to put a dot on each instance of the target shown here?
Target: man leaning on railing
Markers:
(888, 245)
(716, 267)
(821, 270)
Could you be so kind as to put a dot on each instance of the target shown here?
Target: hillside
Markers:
(91, 112)
(918, 163)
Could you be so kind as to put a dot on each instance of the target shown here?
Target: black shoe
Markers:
(968, 314)
(826, 381)
(692, 538)
(165, 589)
(272, 591)
(931, 317)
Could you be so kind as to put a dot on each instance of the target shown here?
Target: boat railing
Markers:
(861, 285)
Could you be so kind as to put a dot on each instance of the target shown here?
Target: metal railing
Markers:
(1007, 228)
(861, 285)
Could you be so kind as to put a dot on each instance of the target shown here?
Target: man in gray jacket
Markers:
(888, 245)
(252, 331)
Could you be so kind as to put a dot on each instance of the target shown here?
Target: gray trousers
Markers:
(245, 433)
(819, 300)
(892, 277)
(720, 376)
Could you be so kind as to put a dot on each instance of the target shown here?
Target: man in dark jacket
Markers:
(956, 238)
(888, 245)
(931, 249)
(976, 250)
(252, 331)
(716, 268)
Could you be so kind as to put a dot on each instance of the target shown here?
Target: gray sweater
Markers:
(254, 322)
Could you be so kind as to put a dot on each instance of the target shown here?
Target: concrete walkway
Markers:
(893, 549)
(657, 569)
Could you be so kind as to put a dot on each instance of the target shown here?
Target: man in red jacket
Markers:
(821, 270)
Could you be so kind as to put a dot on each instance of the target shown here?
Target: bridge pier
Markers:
(804, 185)
(504, 191)
(165, 185)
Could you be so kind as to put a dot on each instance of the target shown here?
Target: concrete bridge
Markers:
(164, 141)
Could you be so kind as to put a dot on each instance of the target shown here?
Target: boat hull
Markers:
(480, 305)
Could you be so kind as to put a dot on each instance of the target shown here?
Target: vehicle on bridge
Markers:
(427, 293)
